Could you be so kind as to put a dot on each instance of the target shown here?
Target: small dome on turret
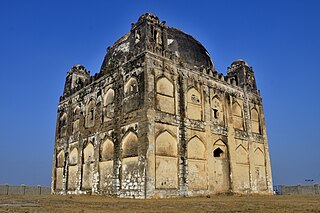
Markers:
(78, 68)
(239, 62)
(149, 16)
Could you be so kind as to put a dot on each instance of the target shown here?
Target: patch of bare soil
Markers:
(214, 203)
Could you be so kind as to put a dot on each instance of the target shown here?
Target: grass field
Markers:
(215, 203)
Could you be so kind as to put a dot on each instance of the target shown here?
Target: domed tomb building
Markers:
(159, 121)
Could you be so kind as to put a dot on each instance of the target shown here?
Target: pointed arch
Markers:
(88, 153)
(165, 95)
(131, 86)
(166, 145)
(254, 115)
(76, 111)
(196, 149)
(242, 154)
(108, 97)
(63, 125)
(60, 159)
(220, 149)
(130, 145)
(194, 104)
(63, 119)
(259, 157)
(165, 86)
(107, 150)
(237, 109)
(90, 113)
(217, 110)
(237, 116)
(73, 158)
(166, 161)
(255, 121)
(194, 96)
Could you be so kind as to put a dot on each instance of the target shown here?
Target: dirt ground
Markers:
(214, 203)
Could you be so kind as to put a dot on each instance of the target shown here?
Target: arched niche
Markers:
(76, 118)
(242, 155)
(106, 166)
(166, 161)
(237, 116)
(259, 157)
(73, 158)
(130, 161)
(63, 125)
(165, 87)
(131, 86)
(237, 109)
(108, 105)
(130, 145)
(88, 153)
(217, 111)
(165, 95)
(107, 150)
(219, 150)
(194, 106)
(196, 149)
(60, 159)
(255, 121)
(90, 113)
(166, 145)
(108, 97)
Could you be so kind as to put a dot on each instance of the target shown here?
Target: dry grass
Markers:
(216, 203)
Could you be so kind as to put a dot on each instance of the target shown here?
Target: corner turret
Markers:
(242, 74)
(76, 78)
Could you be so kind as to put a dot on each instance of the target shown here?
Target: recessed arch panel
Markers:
(107, 150)
(130, 145)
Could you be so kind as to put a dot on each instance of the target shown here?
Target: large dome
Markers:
(188, 49)
(184, 46)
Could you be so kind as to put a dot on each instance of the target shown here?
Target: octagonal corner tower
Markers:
(159, 121)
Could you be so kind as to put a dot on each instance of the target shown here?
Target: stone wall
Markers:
(24, 190)
(299, 189)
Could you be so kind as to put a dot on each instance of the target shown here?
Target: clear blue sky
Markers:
(40, 41)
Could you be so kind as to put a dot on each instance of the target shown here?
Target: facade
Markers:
(159, 121)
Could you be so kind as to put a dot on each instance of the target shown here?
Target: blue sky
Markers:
(41, 40)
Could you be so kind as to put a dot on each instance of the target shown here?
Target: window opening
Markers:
(217, 153)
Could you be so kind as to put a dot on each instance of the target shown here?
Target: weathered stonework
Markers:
(159, 121)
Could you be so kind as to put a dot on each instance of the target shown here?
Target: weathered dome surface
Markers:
(184, 46)
(188, 49)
